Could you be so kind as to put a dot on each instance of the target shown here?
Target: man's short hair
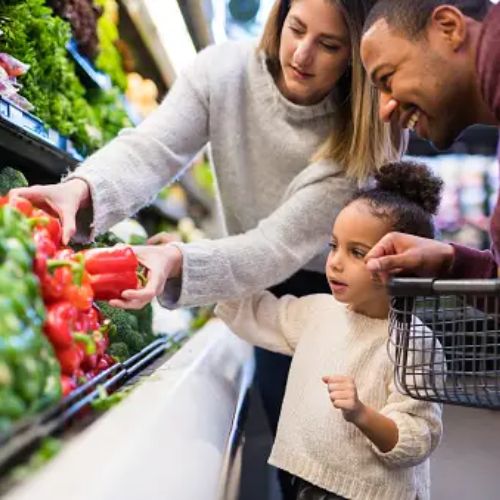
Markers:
(410, 17)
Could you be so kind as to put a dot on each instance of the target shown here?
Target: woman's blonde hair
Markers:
(359, 141)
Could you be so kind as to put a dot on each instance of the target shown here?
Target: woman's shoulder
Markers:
(231, 56)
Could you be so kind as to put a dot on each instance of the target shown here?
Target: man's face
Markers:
(422, 83)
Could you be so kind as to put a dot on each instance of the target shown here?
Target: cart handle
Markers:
(414, 287)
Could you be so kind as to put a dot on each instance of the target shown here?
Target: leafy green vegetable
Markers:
(109, 112)
(11, 178)
(106, 401)
(32, 34)
(48, 449)
(109, 59)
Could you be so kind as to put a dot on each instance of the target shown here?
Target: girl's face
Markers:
(355, 232)
(314, 50)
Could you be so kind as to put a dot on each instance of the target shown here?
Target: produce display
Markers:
(142, 93)
(10, 70)
(82, 15)
(51, 293)
(109, 59)
(34, 35)
(29, 372)
(57, 329)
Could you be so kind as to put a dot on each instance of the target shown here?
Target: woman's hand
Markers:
(163, 238)
(344, 396)
(61, 200)
(162, 263)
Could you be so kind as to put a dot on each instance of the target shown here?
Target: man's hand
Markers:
(399, 252)
(344, 396)
(162, 262)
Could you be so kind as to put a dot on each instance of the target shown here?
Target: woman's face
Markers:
(314, 50)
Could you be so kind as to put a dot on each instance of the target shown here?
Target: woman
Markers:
(264, 112)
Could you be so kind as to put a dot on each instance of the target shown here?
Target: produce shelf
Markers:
(27, 143)
(88, 74)
(24, 436)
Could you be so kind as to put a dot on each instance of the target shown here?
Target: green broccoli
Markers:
(11, 178)
(119, 351)
(131, 328)
(104, 240)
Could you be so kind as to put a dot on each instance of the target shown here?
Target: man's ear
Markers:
(451, 24)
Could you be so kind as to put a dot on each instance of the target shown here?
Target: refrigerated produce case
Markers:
(177, 435)
(177, 403)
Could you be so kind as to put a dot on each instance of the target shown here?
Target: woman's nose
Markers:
(303, 55)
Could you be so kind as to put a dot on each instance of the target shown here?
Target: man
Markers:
(437, 71)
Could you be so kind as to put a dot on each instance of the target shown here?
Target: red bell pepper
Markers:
(110, 286)
(45, 249)
(41, 220)
(69, 359)
(112, 271)
(21, 204)
(88, 321)
(68, 385)
(77, 289)
(59, 324)
(110, 260)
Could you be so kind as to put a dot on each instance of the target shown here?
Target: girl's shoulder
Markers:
(320, 305)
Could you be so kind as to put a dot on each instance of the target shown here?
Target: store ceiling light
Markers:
(172, 31)
(164, 31)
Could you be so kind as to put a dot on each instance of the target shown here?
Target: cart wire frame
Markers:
(444, 340)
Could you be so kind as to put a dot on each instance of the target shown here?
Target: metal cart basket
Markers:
(444, 340)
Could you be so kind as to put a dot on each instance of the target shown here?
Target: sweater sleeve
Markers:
(469, 263)
(267, 321)
(127, 173)
(419, 422)
(280, 245)
(419, 429)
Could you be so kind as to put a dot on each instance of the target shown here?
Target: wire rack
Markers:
(444, 340)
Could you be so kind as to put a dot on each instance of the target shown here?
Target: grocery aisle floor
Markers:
(258, 480)
(466, 466)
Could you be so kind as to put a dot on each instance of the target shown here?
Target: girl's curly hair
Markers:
(407, 194)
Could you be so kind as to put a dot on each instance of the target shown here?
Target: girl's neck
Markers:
(375, 310)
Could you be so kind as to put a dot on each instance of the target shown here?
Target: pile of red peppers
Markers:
(70, 282)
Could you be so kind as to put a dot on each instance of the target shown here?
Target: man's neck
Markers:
(482, 113)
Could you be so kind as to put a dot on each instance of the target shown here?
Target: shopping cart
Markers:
(445, 340)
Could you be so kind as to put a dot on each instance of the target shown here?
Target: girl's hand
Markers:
(162, 262)
(60, 200)
(344, 396)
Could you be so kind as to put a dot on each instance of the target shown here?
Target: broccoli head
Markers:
(11, 178)
(135, 333)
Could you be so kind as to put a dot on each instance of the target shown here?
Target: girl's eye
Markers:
(359, 254)
(333, 246)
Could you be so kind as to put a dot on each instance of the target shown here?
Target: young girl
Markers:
(344, 430)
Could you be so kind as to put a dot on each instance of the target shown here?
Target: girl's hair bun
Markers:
(413, 181)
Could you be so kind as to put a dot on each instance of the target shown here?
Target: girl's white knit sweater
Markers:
(313, 440)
